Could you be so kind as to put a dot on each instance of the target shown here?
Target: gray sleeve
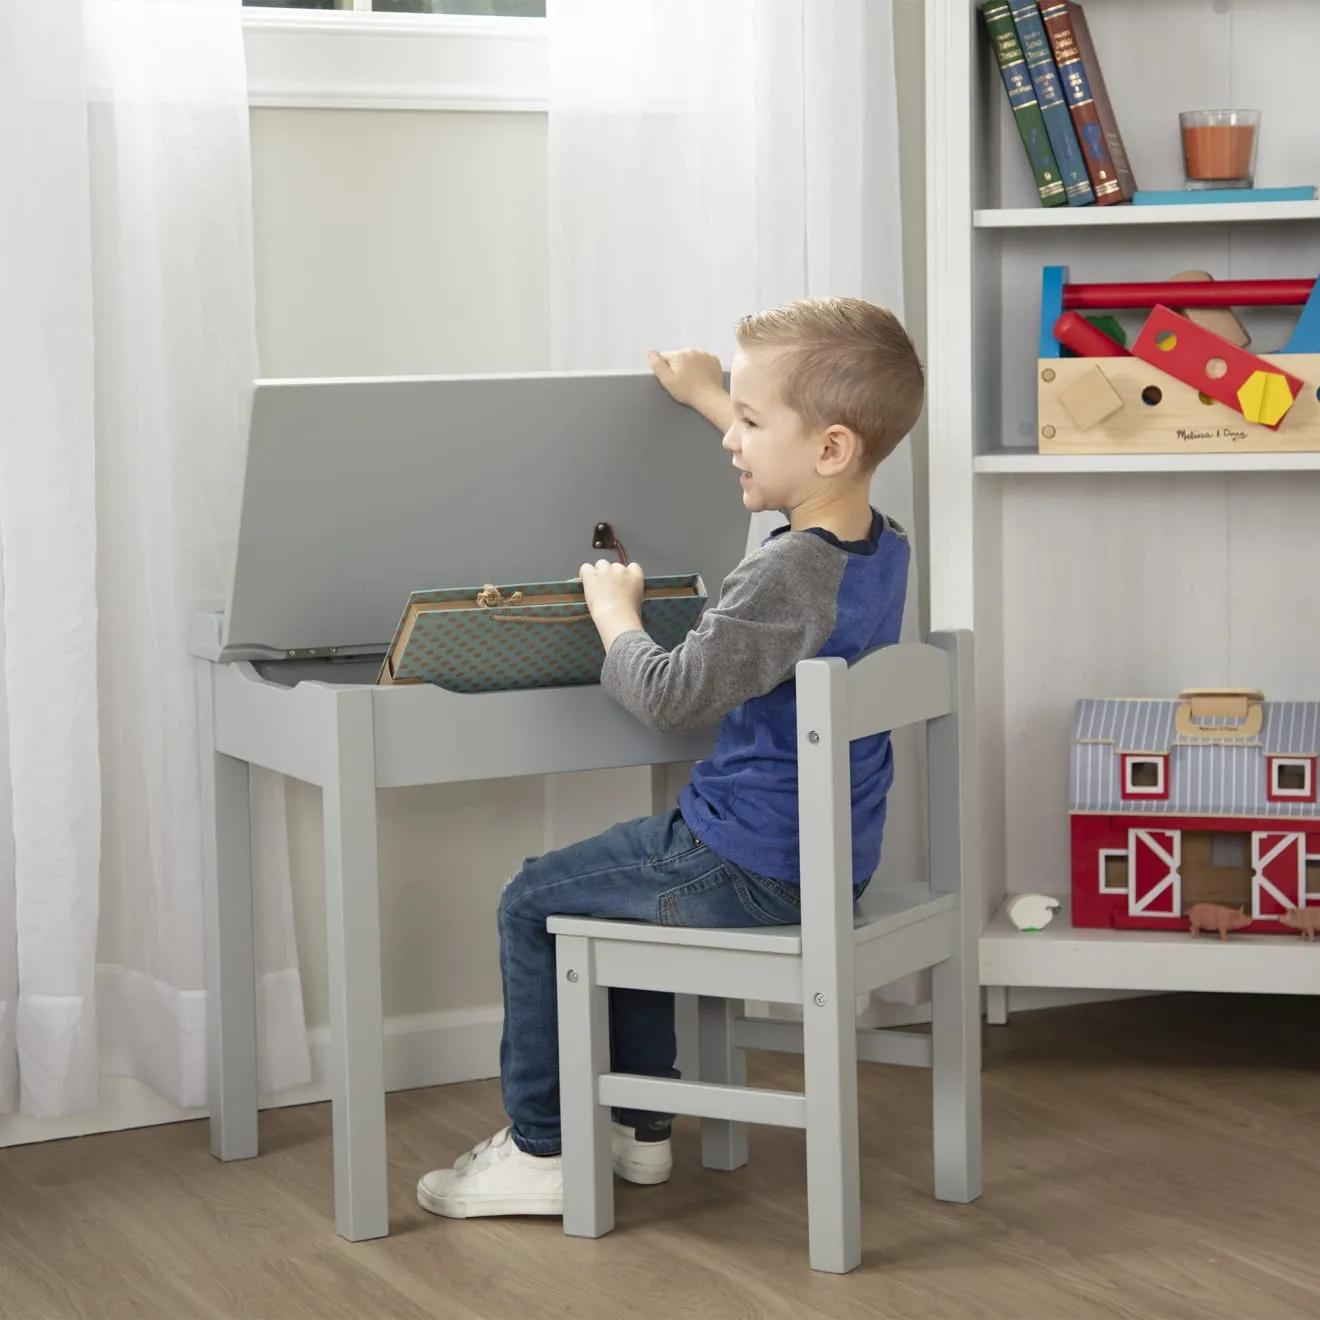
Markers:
(776, 608)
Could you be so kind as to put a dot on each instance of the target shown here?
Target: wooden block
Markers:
(1090, 399)
(1209, 363)
(1221, 321)
(1161, 415)
(1265, 397)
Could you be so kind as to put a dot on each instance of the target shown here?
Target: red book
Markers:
(1088, 100)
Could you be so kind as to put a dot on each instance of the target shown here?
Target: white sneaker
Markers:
(644, 1162)
(495, 1178)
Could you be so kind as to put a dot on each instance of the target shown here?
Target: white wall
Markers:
(399, 242)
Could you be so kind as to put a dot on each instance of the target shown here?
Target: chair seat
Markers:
(891, 913)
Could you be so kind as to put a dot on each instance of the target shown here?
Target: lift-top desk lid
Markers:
(357, 492)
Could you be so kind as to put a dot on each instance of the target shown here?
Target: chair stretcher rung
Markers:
(745, 1104)
(874, 1045)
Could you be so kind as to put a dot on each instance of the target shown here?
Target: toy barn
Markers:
(1207, 798)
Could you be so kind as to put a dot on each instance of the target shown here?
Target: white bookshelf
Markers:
(1008, 462)
(1104, 575)
(1199, 213)
(1060, 957)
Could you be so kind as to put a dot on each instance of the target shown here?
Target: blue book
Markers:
(1022, 100)
(1182, 197)
(1053, 103)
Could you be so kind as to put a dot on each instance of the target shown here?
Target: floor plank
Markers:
(1144, 1160)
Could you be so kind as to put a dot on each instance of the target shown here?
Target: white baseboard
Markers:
(428, 1049)
(425, 1049)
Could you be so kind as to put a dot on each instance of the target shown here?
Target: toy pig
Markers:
(1306, 920)
(1214, 916)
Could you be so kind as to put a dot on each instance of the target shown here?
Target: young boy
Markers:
(821, 391)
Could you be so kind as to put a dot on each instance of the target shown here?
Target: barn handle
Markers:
(1200, 707)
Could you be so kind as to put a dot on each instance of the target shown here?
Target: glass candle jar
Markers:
(1219, 147)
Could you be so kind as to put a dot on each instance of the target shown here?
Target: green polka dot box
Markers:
(533, 635)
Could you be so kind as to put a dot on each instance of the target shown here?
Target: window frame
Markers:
(1273, 793)
(349, 59)
(1103, 856)
(1136, 793)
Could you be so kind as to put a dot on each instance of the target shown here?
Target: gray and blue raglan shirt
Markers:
(799, 595)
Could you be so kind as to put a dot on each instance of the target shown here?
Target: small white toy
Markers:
(1033, 911)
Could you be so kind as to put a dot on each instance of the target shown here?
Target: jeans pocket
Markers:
(709, 899)
(727, 896)
(678, 846)
(771, 902)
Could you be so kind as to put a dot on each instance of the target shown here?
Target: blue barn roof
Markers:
(1221, 775)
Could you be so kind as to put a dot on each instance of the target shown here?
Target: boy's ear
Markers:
(840, 447)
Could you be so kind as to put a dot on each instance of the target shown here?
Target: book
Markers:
(1184, 196)
(1088, 101)
(1022, 99)
(1054, 108)
(1127, 184)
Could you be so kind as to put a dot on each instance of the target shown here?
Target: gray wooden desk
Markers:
(357, 492)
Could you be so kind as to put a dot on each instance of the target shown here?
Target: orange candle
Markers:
(1219, 147)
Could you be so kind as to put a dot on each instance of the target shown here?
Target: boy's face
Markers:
(779, 460)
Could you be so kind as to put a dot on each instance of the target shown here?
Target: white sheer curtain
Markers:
(708, 158)
(127, 354)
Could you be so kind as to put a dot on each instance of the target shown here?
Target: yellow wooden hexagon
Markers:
(1265, 398)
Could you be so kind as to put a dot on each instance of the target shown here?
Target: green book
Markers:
(1027, 114)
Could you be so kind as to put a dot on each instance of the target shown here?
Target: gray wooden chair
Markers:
(835, 955)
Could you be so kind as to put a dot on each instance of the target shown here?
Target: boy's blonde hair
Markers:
(845, 362)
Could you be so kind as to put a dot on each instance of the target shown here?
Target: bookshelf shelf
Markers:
(1011, 462)
(1061, 956)
(1084, 217)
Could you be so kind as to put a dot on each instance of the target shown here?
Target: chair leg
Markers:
(956, 1078)
(834, 1194)
(686, 1033)
(723, 1141)
(584, 1054)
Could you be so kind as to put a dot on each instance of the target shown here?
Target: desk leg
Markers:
(357, 1062)
(229, 943)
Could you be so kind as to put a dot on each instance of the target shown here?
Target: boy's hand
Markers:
(614, 597)
(696, 379)
(688, 374)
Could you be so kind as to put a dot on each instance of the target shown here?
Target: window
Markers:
(1113, 871)
(1145, 776)
(1292, 779)
(493, 8)
(464, 55)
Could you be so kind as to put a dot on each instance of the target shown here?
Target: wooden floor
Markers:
(1153, 1159)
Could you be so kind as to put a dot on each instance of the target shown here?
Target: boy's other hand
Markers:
(614, 596)
(689, 374)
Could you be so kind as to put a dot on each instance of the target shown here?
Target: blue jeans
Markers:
(651, 870)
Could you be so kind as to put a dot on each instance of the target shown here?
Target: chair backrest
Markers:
(929, 682)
